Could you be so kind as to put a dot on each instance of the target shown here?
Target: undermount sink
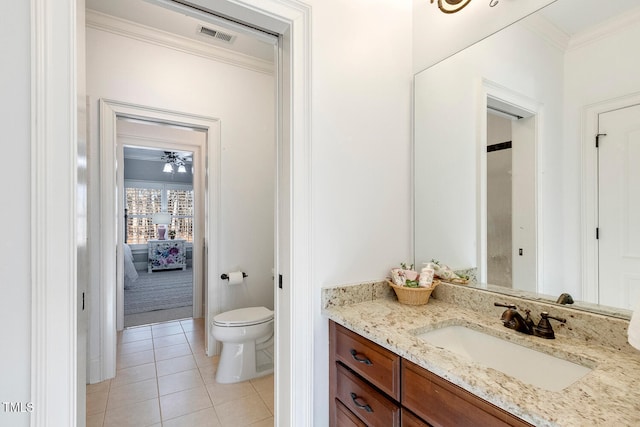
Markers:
(527, 365)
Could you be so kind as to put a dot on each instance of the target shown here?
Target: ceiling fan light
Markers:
(167, 168)
(182, 169)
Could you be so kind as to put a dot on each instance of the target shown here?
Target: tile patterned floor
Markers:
(165, 379)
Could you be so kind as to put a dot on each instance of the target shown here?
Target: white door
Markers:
(619, 207)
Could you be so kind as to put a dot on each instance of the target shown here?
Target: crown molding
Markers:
(605, 29)
(558, 38)
(548, 31)
(101, 21)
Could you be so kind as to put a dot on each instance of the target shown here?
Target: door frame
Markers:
(54, 118)
(199, 155)
(589, 191)
(490, 89)
(111, 225)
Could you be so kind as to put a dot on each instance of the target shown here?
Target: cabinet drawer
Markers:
(345, 418)
(376, 364)
(368, 404)
(442, 403)
(410, 420)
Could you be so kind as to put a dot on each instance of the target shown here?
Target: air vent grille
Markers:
(218, 35)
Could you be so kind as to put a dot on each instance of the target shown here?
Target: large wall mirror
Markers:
(508, 179)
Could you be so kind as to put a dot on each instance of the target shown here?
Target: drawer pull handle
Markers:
(355, 398)
(364, 360)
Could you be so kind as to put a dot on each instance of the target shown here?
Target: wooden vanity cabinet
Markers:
(364, 379)
(441, 403)
(344, 417)
(410, 420)
(372, 386)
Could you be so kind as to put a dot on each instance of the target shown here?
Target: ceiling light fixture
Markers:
(453, 6)
(173, 161)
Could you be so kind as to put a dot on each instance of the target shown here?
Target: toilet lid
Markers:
(243, 317)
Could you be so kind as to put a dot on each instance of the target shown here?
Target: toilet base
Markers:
(242, 361)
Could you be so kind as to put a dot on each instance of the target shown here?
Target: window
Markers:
(143, 199)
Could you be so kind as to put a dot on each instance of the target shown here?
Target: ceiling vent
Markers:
(218, 35)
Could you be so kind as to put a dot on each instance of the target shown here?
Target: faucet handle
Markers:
(544, 329)
(546, 315)
(502, 304)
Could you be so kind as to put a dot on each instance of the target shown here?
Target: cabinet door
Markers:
(367, 403)
(345, 418)
(442, 403)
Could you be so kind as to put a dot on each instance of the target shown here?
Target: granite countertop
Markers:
(608, 395)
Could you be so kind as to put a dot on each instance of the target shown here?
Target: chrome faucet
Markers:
(512, 319)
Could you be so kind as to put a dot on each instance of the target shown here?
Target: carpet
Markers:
(159, 290)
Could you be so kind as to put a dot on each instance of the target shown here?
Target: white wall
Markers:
(132, 71)
(15, 265)
(447, 119)
(361, 139)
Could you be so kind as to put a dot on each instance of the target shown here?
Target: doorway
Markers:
(295, 362)
(159, 271)
(508, 206)
(511, 201)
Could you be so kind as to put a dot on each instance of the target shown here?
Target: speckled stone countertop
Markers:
(609, 395)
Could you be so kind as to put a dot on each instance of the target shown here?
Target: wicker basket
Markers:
(413, 296)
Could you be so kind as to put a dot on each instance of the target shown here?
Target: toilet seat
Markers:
(243, 317)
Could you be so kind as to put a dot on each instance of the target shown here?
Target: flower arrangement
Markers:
(172, 234)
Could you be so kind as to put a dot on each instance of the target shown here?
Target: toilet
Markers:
(246, 335)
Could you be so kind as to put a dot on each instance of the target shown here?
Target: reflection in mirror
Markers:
(564, 69)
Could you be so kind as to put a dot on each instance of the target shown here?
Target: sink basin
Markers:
(529, 366)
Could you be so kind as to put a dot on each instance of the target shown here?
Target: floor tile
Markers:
(97, 402)
(134, 359)
(203, 360)
(131, 393)
(221, 393)
(263, 384)
(95, 420)
(242, 412)
(268, 422)
(168, 340)
(162, 360)
(204, 418)
(268, 399)
(179, 381)
(139, 414)
(98, 387)
(134, 374)
(169, 330)
(208, 373)
(163, 325)
(176, 364)
(130, 335)
(135, 346)
(184, 402)
(192, 324)
(172, 351)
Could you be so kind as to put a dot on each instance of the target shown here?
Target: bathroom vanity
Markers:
(384, 389)
(382, 373)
